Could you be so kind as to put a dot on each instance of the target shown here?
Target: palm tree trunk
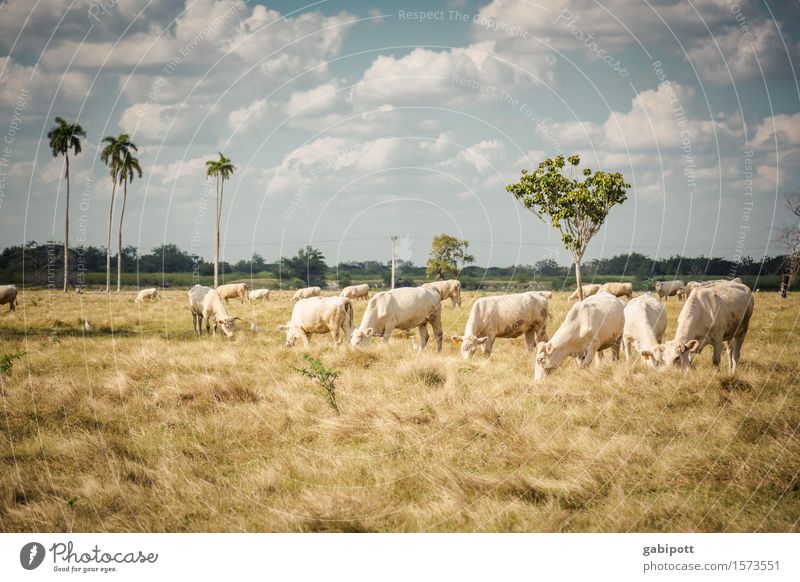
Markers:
(108, 247)
(216, 240)
(119, 239)
(66, 229)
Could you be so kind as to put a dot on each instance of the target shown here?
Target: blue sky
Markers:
(353, 121)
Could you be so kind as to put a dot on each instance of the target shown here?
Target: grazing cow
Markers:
(450, 288)
(667, 289)
(356, 292)
(588, 291)
(504, 316)
(319, 315)
(205, 303)
(8, 294)
(257, 294)
(645, 325)
(232, 290)
(591, 326)
(711, 315)
(404, 308)
(146, 294)
(306, 292)
(618, 289)
(684, 293)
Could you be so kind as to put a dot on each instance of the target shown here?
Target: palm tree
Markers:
(128, 166)
(222, 170)
(64, 137)
(116, 148)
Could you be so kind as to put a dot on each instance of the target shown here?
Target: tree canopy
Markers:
(448, 255)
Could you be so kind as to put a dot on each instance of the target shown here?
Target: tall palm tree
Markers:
(116, 149)
(222, 170)
(128, 166)
(64, 137)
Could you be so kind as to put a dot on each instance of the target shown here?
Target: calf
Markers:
(319, 315)
(504, 316)
(591, 326)
(645, 325)
(205, 303)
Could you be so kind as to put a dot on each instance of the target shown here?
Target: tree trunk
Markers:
(578, 276)
(108, 247)
(216, 233)
(119, 239)
(66, 228)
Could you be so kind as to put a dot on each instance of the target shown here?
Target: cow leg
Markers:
(423, 337)
(586, 359)
(599, 356)
(615, 349)
(387, 332)
(436, 325)
(305, 338)
(541, 335)
(335, 334)
(627, 347)
(530, 339)
(487, 347)
(717, 357)
(734, 351)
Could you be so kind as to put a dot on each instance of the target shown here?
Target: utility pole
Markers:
(394, 261)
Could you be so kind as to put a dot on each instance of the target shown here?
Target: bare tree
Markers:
(790, 237)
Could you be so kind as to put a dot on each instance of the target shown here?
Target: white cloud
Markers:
(314, 101)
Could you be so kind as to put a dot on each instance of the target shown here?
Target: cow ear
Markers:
(648, 355)
(283, 327)
(457, 339)
(482, 340)
(548, 347)
(692, 345)
(369, 331)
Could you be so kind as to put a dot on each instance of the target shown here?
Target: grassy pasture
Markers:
(140, 426)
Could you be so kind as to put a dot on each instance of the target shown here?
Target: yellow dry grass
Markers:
(139, 426)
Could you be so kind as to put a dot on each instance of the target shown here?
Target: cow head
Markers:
(361, 337)
(291, 334)
(227, 324)
(672, 353)
(544, 364)
(469, 344)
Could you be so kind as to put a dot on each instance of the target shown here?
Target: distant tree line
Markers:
(43, 263)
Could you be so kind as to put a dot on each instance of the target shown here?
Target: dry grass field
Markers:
(140, 426)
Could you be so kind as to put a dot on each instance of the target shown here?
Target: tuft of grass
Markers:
(325, 377)
(7, 362)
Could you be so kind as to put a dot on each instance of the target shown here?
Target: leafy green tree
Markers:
(64, 137)
(576, 208)
(448, 255)
(221, 169)
(308, 266)
(128, 167)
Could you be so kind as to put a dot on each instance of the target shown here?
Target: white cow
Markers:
(404, 308)
(684, 293)
(319, 315)
(356, 292)
(588, 291)
(306, 292)
(591, 326)
(618, 289)
(150, 294)
(667, 289)
(206, 303)
(504, 316)
(450, 288)
(232, 290)
(711, 315)
(8, 294)
(257, 294)
(645, 325)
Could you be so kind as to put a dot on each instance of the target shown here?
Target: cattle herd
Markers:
(715, 312)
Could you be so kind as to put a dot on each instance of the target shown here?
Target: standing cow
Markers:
(588, 291)
(356, 292)
(306, 292)
(317, 315)
(450, 288)
(232, 290)
(618, 289)
(667, 289)
(404, 308)
(504, 316)
(8, 294)
(645, 325)
(711, 315)
(591, 326)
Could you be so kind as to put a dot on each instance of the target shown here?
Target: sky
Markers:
(350, 122)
